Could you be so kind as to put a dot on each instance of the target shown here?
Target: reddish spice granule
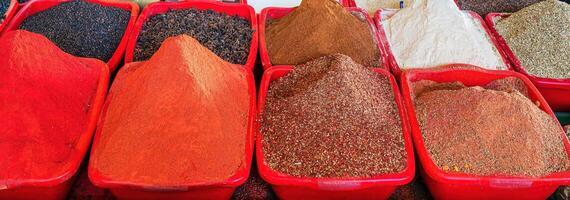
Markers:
(45, 97)
(179, 118)
(495, 130)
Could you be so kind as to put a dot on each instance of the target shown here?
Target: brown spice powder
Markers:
(332, 117)
(494, 130)
(319, 28)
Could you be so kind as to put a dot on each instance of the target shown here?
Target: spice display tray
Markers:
(396, 70)
(377, 187)
(555, 91)
(449, 185)
(241, 10)
(276, 13)
(58, 187)
(37, 6)
(12, 10)
(203, 190)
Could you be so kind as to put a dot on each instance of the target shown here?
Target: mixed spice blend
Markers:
(4, 4)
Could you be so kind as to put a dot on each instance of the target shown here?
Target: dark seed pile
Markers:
(483, 7)
(332, 117)
(4, 4)
(227, 36)
(81, 28)
(488, 130)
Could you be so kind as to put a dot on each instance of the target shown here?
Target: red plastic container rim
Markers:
(335, 184)
(36, 6)
(396, 67)
(241, 175)
(81, 147)
(264, 53)
(539, 81)
(499, 181)
(10, 12)
(226, 8)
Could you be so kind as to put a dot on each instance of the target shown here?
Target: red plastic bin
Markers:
(12, 10)
(221, 190)
(241, 10)
(449, 185)
(396, 70)
(36, 6)
(276, 13)
(58, 187)
(555, 91)
(377, 187)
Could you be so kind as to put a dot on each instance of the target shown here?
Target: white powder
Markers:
(371, 6)
(430, 33)
(259, 5)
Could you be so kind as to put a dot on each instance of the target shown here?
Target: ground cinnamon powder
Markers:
(319, 28)
(491, 130)
(45, 97)
(178, 118)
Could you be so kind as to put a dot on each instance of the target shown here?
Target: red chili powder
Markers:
(178, 118)
(45, 96)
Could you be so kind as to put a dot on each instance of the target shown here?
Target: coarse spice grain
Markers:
(332, 117)
(81, 28)
(539, 36)
(488, 130)
(4, 4)
(484, 7)
(229, 37)
(567, 131)
(319, 28)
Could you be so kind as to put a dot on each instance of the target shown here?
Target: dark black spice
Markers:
(229, 37)
(4, 4)
(483, 7)
(81, 28)
(23, 1)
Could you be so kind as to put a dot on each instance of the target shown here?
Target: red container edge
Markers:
(286, 184)
(445, 183)
(36, 6)
(278, 12)
(127, 189)
(242, 10)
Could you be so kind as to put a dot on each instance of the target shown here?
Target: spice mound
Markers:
(332, 117)
(490, 130)
(44, 107)
(178, 118)
(431, 33)
(484, 7)
(318, 28)
(539, 36)
(371, 6)
(229, 37)
(81, 28)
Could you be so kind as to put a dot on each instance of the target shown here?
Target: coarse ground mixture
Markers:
(4, 4)
(332, 117)
(484, 7)
(416, 190)
(371, 6)
(46, 95)
(179, 118)
(259, 5)
(229, 37)
(319, 28)
(567, 130)
(430, 33)
(488, 130)
(255, 188)
(81, 28)
(539, 36)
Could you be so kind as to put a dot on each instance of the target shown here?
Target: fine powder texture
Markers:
(259, 5)
(430, 33)
(319, 28)
(539, 36)
(45, 97)
(229, 37)
(484, 7)
(81, 28)
(371, 6)
(179, 118)
(332, 117)
(488, 131)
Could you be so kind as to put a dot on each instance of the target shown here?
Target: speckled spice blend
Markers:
(4, 4)
(491, 130)
(539, 36)
(332, 117)
(483, 7)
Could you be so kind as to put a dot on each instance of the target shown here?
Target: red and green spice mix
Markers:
(332, 117)
(491, 130)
